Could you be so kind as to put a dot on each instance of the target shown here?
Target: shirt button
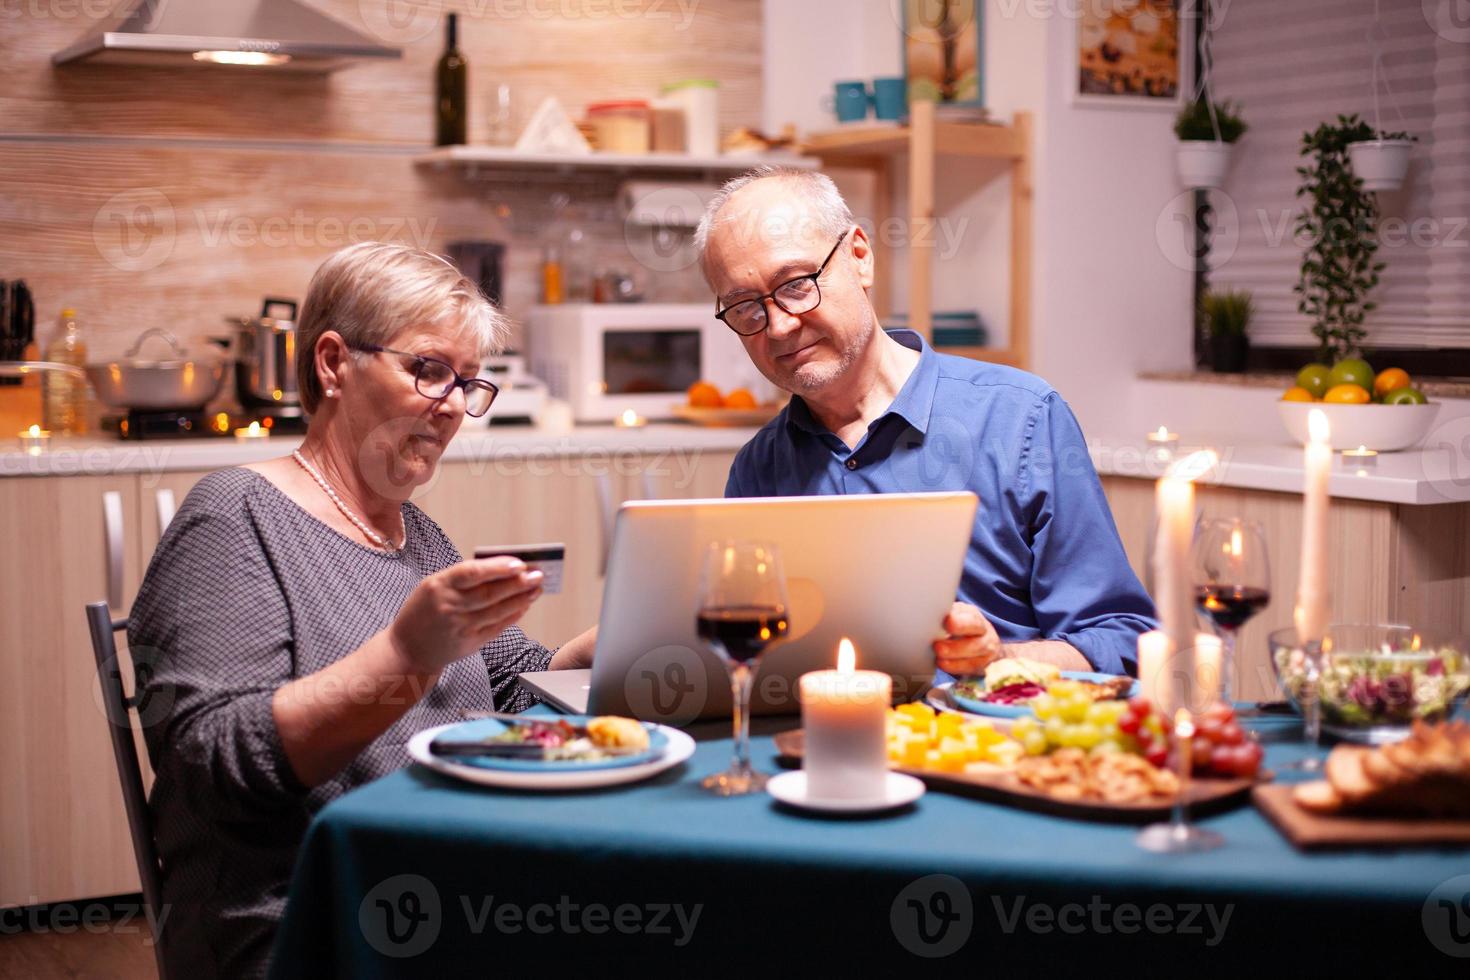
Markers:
(852, 464)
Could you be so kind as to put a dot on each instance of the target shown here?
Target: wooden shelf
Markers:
(985, 140)
(921, 143)
(473, 159)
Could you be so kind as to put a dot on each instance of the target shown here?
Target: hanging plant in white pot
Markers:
(1381, 163)
(1206, 131)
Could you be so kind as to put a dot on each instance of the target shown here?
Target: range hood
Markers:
(276, 34)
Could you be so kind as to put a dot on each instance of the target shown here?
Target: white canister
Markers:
(700, 99)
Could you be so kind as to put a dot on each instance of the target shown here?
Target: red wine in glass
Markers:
(741, 633)
(1230, 607)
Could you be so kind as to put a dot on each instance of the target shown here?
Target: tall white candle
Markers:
(1208, 667)
(1312, 598)
(1173, 576)
(844, 714)
(1153, 665)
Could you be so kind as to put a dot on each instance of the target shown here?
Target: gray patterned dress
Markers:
(246, 592)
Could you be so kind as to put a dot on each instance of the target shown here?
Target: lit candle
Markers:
(1162, 438)
(1312, 600)
(34, 440)
(1209, 662)
(844, 713)
(255, 431)
(1360, 458)
(1153, 665)
(630, 420)
(1173, 579)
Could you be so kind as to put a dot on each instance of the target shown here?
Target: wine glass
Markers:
(742, 611)
(1232, 582)
(1179, 835)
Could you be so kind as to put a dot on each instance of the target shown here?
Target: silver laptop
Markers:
(880, 569)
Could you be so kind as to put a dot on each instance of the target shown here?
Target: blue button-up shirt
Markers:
(1045, 561)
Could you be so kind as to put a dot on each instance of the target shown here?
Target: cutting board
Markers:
(1311, 830)
(1204, 796)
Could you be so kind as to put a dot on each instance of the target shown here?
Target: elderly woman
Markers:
(301, 619)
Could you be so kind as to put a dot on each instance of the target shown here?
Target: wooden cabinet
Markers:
(63, 830)
(63, 833)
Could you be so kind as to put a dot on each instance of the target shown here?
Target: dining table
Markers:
(420, 875)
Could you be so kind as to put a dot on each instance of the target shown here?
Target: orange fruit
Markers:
(740, 398)
(1296, 393)
(1390, 379)
(1348, 394)
(702, 394)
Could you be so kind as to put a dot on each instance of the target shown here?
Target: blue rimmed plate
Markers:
(1020, 710)
(668, 747)
(483, 728)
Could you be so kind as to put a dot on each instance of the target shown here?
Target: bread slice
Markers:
(1345, 773)
(1317, 796)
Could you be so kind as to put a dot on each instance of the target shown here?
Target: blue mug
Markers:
(890, 98)
(849, 101)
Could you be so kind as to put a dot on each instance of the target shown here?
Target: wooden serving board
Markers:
(1311, 830)
(1205, 796)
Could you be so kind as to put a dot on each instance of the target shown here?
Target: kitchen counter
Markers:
(100, 456)
(1414, 477)
(1425, 476)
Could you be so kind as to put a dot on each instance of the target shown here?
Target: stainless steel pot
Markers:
(180, 383)
(265, 358)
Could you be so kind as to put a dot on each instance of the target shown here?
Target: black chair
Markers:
(119, 707)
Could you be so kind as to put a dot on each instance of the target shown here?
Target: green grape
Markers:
(1099, 714)
(1074, 709)
(1034, 743)
(1107, 746)
(1044, 705)
(1055, 728)
(1085, 736)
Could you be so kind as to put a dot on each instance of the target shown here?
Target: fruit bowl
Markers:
(1386, 428)
(1378, 680)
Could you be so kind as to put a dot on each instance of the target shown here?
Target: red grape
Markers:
(1140, 706)
(1156, 754)
(1128, 723)
(1230, 734)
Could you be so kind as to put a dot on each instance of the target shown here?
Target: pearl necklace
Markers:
(361, 525)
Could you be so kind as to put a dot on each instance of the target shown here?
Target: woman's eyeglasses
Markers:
(795, 296)
(435, 380)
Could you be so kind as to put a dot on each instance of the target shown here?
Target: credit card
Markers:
(547, 558)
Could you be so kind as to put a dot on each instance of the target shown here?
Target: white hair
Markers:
(830, 212)
(370, 291)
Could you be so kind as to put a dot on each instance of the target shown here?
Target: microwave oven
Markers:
(605, 358)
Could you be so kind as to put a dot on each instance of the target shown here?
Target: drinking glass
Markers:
(742, 611)
(1179, 834)
(1232, 582)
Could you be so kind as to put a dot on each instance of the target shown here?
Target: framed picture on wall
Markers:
(941, 52)
(1132, 53)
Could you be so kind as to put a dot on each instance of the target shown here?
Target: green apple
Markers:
(1405, 396)
(1313, 377)
(1352, 371)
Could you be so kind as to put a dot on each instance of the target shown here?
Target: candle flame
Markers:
(1363, 449)
(630, 417)
(1163, 432)
(1237, 544)
(846, 657)
(35, 431)
(255, 428)
(1193, 466)
(1318, 427)
(1183, 723)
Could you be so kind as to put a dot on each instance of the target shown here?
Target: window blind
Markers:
(1293, 64)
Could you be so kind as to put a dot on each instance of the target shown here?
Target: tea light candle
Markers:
(34, 440)
(1360, 458)
(844, 713)
(1162, 438)
(255, 431)
(630, 420)
(1208, 666)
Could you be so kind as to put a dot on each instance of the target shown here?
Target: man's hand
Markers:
(972, 645)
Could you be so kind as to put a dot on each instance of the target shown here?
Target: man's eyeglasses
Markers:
(435, 380)
(795, 296)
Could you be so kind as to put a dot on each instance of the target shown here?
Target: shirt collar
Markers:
(914, 402)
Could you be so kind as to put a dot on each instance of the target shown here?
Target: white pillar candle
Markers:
(1209, 663)
(1173, 575)
(1153, 665)
(1312, 598)
(844, 713)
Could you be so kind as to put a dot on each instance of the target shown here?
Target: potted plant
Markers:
(1382, 160)
(1225, 317)
(1339, 229)
(1203, 155)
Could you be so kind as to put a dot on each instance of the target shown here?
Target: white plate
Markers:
(680, 748)
(898, 790)
(940, 699)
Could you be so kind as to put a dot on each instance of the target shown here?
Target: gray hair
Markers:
(831, 213)
(370, 291)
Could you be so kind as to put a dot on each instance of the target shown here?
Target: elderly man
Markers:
(877, 411)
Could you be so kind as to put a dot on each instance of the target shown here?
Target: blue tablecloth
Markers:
(419, 875)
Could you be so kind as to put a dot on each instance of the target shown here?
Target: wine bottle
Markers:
(450, 85)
